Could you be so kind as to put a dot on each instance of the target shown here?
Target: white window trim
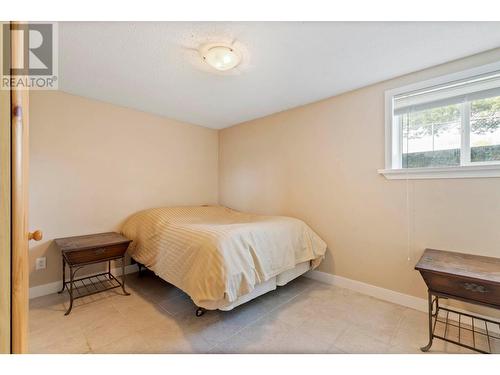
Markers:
(393, 168)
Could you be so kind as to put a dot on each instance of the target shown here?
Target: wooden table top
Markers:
(467, 265)
(90, 241)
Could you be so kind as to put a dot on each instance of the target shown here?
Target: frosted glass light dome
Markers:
(221, 58)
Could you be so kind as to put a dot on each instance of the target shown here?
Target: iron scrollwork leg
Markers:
(71, 278)
(63, 275)
(123, 277)
(431, 333)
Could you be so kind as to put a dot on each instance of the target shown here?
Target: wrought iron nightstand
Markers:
(468, 278)
(81, 251)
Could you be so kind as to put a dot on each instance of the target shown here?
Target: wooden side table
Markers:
(464, 277)
(81, 251)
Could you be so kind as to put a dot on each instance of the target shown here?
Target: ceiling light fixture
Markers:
(220, 57)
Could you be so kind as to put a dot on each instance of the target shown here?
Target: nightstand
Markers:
(463, 277)
(81, 251)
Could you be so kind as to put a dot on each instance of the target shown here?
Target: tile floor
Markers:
(304, 316)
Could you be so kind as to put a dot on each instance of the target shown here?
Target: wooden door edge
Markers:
(20, 255)
(5, 215)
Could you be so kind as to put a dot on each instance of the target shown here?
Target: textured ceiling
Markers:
(154, 67)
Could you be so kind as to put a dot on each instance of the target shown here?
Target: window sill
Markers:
(468, 171)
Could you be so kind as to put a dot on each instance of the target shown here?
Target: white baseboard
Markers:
(371, 290)
(398, 298)
(43, 290)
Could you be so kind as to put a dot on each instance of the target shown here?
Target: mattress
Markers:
(217, 255)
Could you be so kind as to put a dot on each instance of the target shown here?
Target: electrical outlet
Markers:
(41, 263)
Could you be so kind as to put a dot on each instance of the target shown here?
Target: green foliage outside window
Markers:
(485, 115)
(484, 118)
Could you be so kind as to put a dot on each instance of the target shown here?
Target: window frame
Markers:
(393, 147)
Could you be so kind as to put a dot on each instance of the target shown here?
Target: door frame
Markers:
(19, 213)
(5, 216)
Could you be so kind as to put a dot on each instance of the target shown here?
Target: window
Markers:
(445, 127)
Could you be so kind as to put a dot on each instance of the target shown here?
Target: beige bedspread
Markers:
(216, 254)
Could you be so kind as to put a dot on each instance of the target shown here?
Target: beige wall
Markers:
(319, 163)
(93, 164)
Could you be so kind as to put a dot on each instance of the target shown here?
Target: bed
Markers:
(219, 256)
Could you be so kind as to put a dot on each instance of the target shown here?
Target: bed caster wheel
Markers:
(200, 311)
